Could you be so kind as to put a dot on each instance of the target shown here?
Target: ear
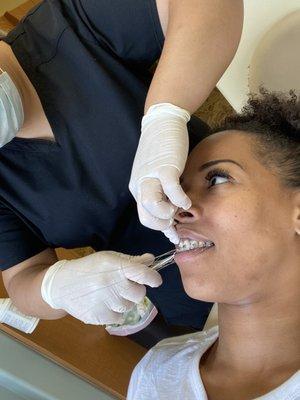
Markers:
(296, 214)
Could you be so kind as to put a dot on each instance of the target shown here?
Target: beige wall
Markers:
(6, 5)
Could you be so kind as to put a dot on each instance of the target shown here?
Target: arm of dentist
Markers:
(201, 39)
(96, 289)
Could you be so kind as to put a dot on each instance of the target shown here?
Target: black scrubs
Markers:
(89, 62)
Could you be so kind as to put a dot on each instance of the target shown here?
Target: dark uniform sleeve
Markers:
(129, 29)
(17, 241)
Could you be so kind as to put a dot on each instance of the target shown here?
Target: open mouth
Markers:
(191, 247)
(188, 244)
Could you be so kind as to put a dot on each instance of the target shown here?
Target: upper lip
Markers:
(184, 233)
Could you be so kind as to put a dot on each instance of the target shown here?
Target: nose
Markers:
(187, 216)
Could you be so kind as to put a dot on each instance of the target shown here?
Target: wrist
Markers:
(167, 109)
(47, 283)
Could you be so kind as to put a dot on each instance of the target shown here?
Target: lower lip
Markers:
(190, 255)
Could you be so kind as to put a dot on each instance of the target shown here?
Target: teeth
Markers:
(187, 244)
(194, 244)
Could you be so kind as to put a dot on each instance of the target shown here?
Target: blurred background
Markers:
(6, 5)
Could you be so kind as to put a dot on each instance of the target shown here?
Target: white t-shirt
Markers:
(170, 371)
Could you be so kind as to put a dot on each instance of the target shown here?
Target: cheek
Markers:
(247, 237)
(246, 243)
(239, 223)
(224, 277)
(229, 224)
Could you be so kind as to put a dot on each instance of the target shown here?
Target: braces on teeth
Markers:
(166, 259)
(187, 244)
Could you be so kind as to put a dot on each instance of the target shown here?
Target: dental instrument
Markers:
(166, 259)
(143, 313)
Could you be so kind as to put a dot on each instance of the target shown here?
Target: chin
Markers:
(198, 292)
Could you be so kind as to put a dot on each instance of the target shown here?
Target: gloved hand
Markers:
(159, 162)
(98, 288)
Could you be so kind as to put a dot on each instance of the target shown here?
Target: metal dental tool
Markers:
(164, 260)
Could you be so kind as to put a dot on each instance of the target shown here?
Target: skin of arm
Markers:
(200, 41)
(23, 284)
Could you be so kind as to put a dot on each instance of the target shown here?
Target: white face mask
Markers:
(11, 109)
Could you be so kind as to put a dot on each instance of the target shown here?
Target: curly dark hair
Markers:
(274, 121)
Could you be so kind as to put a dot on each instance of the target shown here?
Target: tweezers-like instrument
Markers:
(164, 260)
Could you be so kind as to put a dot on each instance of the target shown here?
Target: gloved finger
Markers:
(122, 305)
(111, 317)
(146, 258)
(143, 275)
(152, 222)
(113, 301)
(151, 196)
(172, 235)
(169, 178)
(104, 316)
(132, 291)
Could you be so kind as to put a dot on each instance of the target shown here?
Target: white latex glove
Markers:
(159, 162)
(99, 288)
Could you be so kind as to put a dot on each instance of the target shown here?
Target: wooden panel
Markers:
(5, 25)
(18, 13)
(215, 109)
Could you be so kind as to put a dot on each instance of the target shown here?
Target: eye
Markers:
(217, 177)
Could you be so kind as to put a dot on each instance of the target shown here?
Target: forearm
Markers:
(201, 40)
(25, 292)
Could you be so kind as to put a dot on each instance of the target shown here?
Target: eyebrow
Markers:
(213, 162)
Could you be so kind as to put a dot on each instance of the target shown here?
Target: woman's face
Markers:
(241, 206)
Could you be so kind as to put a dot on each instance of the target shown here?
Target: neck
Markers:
(260, 337)
(261, 342)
